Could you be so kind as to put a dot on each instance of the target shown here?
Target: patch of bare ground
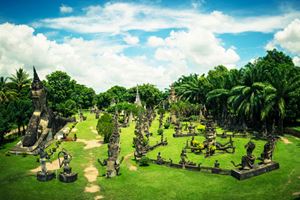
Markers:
(285, 140)
(51, 166)
(89, 144)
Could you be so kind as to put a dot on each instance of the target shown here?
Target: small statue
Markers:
(44, 174)
(217, 164)
(66, 175)
(183, 157)
(159, 159)
(267, 154)
(74, 137)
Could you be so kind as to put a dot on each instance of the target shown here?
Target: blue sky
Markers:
(105, 43)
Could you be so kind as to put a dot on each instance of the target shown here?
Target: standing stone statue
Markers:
(44, 175)
(66, 176)
(139, 141)
(113, 162)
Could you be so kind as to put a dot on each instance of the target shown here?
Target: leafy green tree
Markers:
(194, 90)
(6, 92)
(21, 82)
(105, 126)
(6, 121)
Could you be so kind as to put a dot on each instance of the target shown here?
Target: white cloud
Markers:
(296, 61)
(96, 63)
(288, 38)
(131, 40)
(122, 17)
(65, 9)
(198, 47)
(154, 41)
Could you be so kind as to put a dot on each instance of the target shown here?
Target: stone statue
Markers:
(159, 159)
(266, 156)
(113, 163)
(248, 160)
(44, 174)
(66, 175)
(183, 157)
(43, 124)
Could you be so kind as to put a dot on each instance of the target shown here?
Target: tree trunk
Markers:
(23, 131)
(19, 130)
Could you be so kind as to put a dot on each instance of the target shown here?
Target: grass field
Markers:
(152, 182)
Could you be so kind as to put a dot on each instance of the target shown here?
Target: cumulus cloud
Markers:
(198, 47)
(131, 40)
(96, 63)
(122, 17)
(288, 38)
(65, 9)
(154, 41)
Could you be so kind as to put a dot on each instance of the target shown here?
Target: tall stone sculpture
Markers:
(43, 123)
(40, 118)
(113, 163)
(210, 136)
(137, 97)
(173, 99)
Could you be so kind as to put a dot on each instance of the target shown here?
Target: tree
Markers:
(194, 90)
(105, 126)
(6, 92)
(21, 82)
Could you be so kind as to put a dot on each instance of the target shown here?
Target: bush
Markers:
(144, 161)
(167, 125)
(160, 131)
(105, 126)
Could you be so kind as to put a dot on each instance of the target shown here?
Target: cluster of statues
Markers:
(64, 159)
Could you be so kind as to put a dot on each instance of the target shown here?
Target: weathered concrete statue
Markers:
(113, 162)
(43, 124)
(40, 118)
(248, 160)
(266, 156)
(66, 175)
(139, 140)
(44, 174)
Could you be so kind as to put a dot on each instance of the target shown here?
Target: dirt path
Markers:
(285, 140)
(130, 166)
(89, 144)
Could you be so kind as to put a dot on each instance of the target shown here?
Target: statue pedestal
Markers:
(67, 176)
(45, 177)
(260, 169)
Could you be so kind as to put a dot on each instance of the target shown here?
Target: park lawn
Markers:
(154, 181)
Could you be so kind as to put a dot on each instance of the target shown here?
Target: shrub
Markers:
(144, 161)
(105, 126)
(160, 131)
(167, 125)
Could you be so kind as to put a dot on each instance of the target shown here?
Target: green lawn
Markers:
(153, 182)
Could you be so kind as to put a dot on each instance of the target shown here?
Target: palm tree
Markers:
(6, 92)
(194, 90)
(247, 101)
(20, 80)
(286, 84)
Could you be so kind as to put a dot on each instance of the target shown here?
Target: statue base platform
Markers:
(184, 134)
(45, 177)
(258, 170)
(68, 178)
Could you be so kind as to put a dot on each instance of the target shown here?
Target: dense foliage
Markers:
(260, 95)
(105, 126)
